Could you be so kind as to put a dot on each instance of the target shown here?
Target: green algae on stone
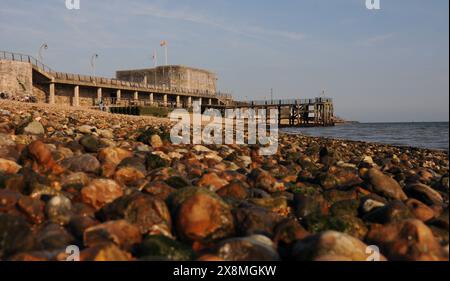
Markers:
(161, 247)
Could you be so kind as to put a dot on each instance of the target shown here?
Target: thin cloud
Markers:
(189, 16)
(375, 40)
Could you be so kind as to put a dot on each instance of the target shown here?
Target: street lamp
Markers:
(44, 46)
(94, 56)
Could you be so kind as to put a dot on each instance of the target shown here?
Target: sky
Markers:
(386, 65)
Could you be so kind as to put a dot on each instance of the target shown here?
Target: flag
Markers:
(163, 43)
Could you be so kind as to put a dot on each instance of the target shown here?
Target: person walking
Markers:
(101, 105)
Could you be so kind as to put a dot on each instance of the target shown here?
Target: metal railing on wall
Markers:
(106, 81)
(24, 58)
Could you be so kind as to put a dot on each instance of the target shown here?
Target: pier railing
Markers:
(24, 58)
(96, 80)
(286, 101)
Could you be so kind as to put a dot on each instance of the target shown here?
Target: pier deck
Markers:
(291, 112)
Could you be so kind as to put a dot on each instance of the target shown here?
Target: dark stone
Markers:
(394, 211)
(305, 205)
(345, 208)
(159, 247)
(32, 208)
(15, 235)
(90, 143)
(134, 162)
(177, 182)
(153, 161)
(145, 211)
(425, 194)
(82, 163)
(252, 219)
(327, 157)
(252, 248)
(78, 224)
(52, 236)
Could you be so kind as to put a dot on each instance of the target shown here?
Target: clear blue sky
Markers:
(385, 65)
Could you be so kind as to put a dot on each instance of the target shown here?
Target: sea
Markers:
(431, 135)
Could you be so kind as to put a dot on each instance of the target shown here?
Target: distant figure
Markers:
(101, 105)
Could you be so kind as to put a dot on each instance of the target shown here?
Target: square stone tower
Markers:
(182, 78)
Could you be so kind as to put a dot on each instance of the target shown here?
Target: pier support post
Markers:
(118, 95)
(189, 102)
(165, 100)
(51, 97)
(136, 95)
(210, 102)
(151, 98)
(178, 101)
(99, 94)
(76, 96)
(200, 101)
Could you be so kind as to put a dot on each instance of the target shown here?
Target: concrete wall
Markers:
(40, 93)
(16, 78)
(174, 76)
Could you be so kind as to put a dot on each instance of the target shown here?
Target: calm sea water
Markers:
(425, 135)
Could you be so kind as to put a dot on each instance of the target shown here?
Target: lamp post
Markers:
(44, 46)
(94, 56)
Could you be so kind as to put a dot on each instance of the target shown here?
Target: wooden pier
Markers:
(314, 112)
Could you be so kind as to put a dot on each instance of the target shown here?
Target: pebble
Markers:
(212, 182)
(160, 247)
(100, 192)
(251, 248)
(15, 235)
(58, 209)
(385, 185)
(9, 167)
(86, 129)
(120, 232)
(150, 214)
(203, 217)
(41, 153)
(34, 128)
(331, 246)
(82, 163)
(155, 141)
(425, 194)
(110, 157)
(409, 240)
(90, 143)
(32, 208)
(420, 210)
(105, 252)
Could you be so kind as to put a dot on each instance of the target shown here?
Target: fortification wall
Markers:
(181, 77)
(16, 79)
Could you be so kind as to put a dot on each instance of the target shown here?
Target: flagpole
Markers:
(165, 48)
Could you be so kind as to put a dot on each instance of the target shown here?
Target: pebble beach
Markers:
(118, 189)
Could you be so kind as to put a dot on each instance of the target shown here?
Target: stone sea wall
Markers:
(16, 79)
